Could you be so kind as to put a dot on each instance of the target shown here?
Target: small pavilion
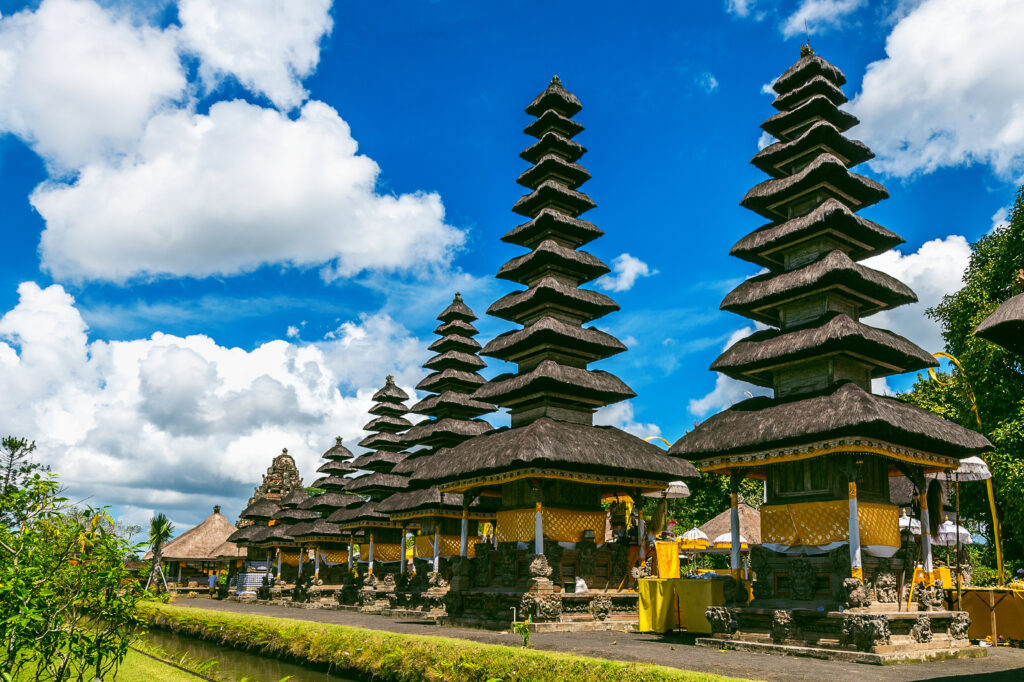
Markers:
(200, 550)
(825, 445)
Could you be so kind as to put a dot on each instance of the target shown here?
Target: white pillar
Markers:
(464, 536)
(351, 547)
(316, 567)
(856, 567)
(641, 533)
(179, 574)
(401, 553)
(437, 547)
(278, 563)
(926, 538)
(369, 556)
(301, 553)
(734, 528)
(538, 531)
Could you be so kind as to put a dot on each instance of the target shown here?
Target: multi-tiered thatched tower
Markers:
(553, 467)
(824, 444)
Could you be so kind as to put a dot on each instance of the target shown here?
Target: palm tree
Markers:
(160, 531)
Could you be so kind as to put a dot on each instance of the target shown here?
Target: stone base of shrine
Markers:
(855, 635)
(495, 608)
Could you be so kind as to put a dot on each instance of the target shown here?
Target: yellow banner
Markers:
(820, 523)
(381, 551)
(560, 525)
(450, 546)
(335, 556)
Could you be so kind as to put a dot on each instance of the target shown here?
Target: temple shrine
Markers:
(281, 478)
(551, 471)
(832, 574)
(447, 528)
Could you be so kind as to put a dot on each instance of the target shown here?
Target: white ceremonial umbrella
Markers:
(724, 541)
(694, 538)
(947, 535)
(909, 522)
(970, 469)
(675, 490)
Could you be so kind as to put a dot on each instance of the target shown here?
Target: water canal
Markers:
(235, 665)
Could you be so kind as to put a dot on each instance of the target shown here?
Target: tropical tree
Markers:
(160, 531)
(989, 385)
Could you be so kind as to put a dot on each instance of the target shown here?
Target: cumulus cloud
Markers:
(933, 271)
(78, 82)
(229, 191)
(707, 82)
(740, 8)
(1000, 218)
(818, 16)
(947, 94)
(268, 45)
(727, 391)
(620, 415)
(626, 270)
(178, 424)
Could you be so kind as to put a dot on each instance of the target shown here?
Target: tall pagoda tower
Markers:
(552, 468)
(383, 538)
(445, 524)
(824, 444)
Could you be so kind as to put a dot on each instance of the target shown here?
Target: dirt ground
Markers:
(1002, 664)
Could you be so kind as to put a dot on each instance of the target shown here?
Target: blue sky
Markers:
(199, 268)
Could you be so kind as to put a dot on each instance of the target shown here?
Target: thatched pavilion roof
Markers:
(750, 524)
(205, 542)
(1006, 325)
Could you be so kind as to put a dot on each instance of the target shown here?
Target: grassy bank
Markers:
(378, 655)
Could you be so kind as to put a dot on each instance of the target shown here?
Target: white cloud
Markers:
(934, 270)
(177, 424)
(626, 270)
(707, 82)
(765, 140)
(227, 192)
(727, 391)
(78, 82)
(740, 8)
(268, 45)
(947, 93)
(817, 16)
(620, 415)
(292, 331)
(1000, 218)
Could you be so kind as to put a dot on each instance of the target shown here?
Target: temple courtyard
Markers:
(677, 650)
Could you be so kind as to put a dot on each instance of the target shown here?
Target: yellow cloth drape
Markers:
(666, 604)
(1008, 605)
(381, 551)
(668, 559)
(560, 525)
(290, 558)
(820, 523)
(335, 556)
(450, 546)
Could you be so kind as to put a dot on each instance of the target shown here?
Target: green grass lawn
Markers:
(139, 668)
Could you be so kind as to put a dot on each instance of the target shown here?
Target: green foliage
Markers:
(709, 497)
(523, 630)
(160, 531)
(995, 375)
(67, 602)
(378, 655)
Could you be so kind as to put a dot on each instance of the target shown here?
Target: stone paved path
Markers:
(1001, 665)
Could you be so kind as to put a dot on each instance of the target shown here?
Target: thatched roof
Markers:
(575, 231)
(433, 499)
(260, 510)
(454, 341)
(387, 423)
(362, 512)
(317, 530)
(457, 310)
(245, 534)
(381, 460)
(549, 255)
(750, 524)
(554, 97)
(294, 498)
(767, 197)
(1005, 326)
(377, 482)
(338, 452)
(818, 85)
(455, 359)
(549, 292)
(426, 432)
(199, 543)
(459, 405)
(782, 124)
(293, 516)
(549, 444)
(861, 237)
(875, 290)
(806, 68)
(588, 343)
(381, 441)
(551, 193)
(390, 393)
(335, 468)
(459, 327)
(550, 377)
(554, 166)
(761, 423)
(553, 143)
(757, 357)
(450, 380)
(331, 501)
(552, 121)
(819, 134)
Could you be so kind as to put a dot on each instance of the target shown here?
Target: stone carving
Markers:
(929, 598)
(959, 624)
(922, 630)
(619, 562)
(865, 631)
(642, 570)
(527, 605)
(539, 567)
(801, 580)
(549, 607)
(886, 588)
(721, 620)
(389, 580)
(854, 594)
(601, 607)
(783, 626)
(367, 597)
(370, 580)
(553, 553)
(263, 591)
(453, 603)
(586, 555)
(481, 570)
